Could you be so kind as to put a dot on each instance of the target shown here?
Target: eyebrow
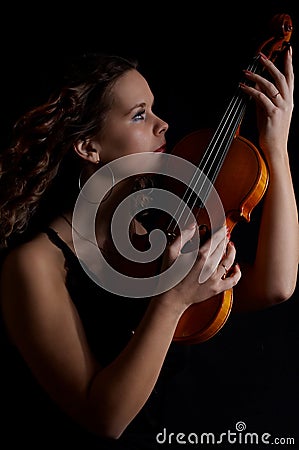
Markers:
(141, 105)
(138, 105)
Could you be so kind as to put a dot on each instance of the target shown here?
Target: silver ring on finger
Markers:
(225, 271)
(276, 95)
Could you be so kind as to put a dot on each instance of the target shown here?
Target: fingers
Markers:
(231, 278)
(189, 240)
(279, 77)
(210, 254)
(215, 246)
(230, 254)
(227, 261)
(218, 237)
(267, 91)
(228, 272)
(213, 271)
(176, 246)
(277, 90)
(289, 70)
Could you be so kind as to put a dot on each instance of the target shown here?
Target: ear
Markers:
(88, 151)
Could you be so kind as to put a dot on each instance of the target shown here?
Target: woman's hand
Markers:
(213, 271)
(274, 102)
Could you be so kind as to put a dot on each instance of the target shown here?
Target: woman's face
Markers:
(130, 125)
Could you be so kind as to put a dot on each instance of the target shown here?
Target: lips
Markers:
(161, 149)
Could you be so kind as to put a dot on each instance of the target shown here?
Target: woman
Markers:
(102, 360)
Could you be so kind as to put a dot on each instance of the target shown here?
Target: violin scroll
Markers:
(281, 28)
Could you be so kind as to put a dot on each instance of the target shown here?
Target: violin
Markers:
(238, 172)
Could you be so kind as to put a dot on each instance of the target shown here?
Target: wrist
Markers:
(278, 160)
(168, 304)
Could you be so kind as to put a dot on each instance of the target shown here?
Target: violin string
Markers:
(235, 109)
(239, 113)
(198, 178)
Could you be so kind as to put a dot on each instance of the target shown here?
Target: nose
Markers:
(160, 126)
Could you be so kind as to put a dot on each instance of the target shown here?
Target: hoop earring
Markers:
(108, 193)
(112, 184)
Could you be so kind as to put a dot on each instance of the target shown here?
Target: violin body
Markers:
(240, 184)
(239, 175)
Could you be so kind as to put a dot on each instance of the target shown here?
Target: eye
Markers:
(140, 115)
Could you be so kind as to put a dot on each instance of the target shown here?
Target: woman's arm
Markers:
(272, 278)
(44, 325)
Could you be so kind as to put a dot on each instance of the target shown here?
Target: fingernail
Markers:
(263, 56)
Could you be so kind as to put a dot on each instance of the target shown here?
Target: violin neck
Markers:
(203, 180)
(220, 143)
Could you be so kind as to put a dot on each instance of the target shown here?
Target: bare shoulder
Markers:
(33, 293)
(32, 272)
(42, 321)
(37, 257)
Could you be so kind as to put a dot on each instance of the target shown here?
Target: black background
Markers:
(192, 55)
